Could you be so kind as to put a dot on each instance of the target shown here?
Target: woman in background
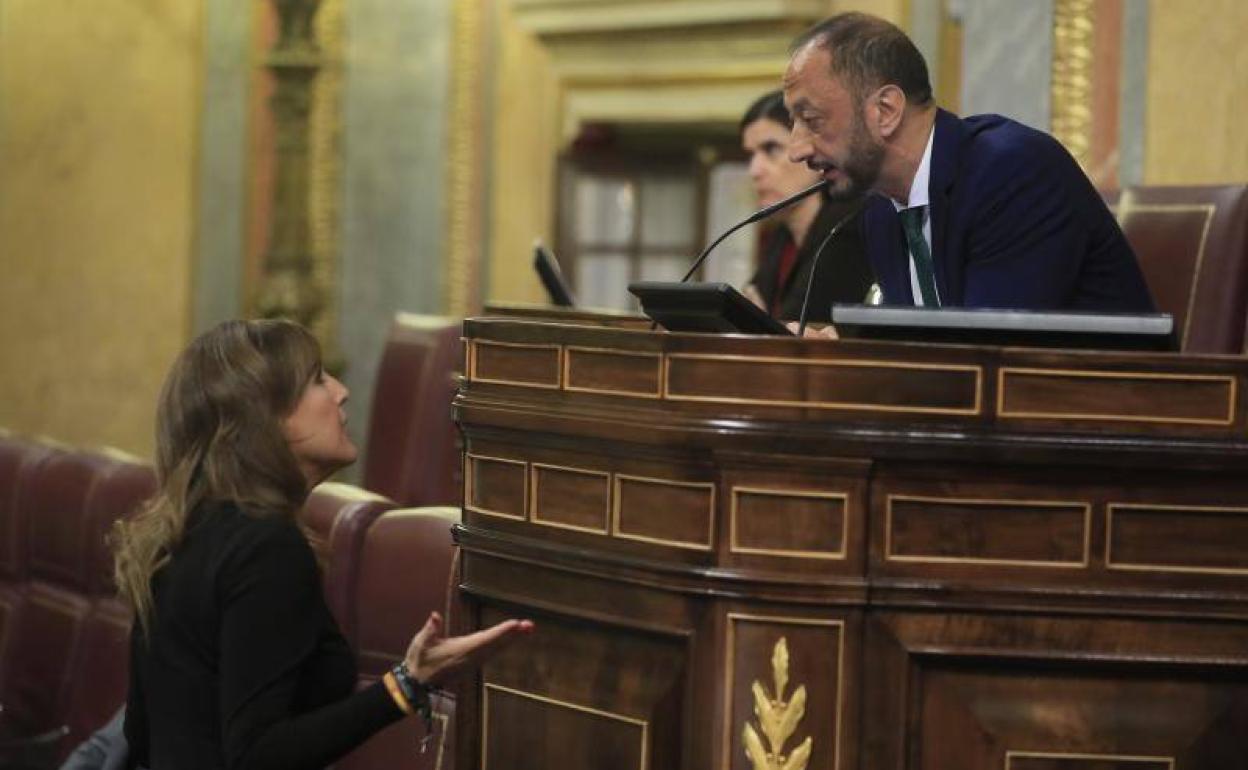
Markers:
(787, 258)
(236, 661)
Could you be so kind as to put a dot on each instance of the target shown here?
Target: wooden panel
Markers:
(571, 498)
(880, 386)
(674, 513)
(580, 693)
(508, 363)
(1177, 538)
(791, 523)
(1116, 396)
(814, 674)
(614, 741)
(1025, 760)
(616, 372)
(972, 531)
(496, 486)
(1071, 719)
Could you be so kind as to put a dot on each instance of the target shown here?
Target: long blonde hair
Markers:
(219, 437)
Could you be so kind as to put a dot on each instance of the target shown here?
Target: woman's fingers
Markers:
(446, 656)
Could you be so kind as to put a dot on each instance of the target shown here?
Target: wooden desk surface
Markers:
(965, 556)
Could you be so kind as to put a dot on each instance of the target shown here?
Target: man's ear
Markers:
(885, 108)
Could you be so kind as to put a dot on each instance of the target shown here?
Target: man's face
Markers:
(829, 128)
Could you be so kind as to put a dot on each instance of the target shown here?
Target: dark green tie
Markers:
(912, 224)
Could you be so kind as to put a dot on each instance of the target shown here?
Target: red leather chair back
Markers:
(1192, 243)
(412, 455)
(54, 610)
(405, 575)
(336, 518)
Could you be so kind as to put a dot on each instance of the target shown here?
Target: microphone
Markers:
(762, 213)
(814, 267)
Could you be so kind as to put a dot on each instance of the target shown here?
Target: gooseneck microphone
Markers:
(814, 267)
(761, 214)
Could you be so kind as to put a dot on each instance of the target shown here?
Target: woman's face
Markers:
(774, 177)
(317, 430)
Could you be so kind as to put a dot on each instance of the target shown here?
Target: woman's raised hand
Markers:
(433, 658)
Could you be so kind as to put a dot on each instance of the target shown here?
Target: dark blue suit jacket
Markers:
(1015, 224)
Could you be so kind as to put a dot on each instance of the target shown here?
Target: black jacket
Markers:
(844, 273)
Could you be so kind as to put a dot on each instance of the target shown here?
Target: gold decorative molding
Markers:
(1020, 371)
(464, 169)
(570, 352)
(1161, 763)
(325, 172)
(470, 486)
(735, 547)
(288, 287)
(777, 719)
(735, 618)
(1111, 509)
(534, 487)
(1071, 88)
(549, 18)
(489, 687)
(617, 502)
(972, 409)
(1084, 561)
(474, 361)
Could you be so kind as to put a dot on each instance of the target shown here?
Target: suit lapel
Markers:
(946, 151)
(886, 248)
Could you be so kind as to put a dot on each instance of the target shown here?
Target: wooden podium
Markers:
(749, 553)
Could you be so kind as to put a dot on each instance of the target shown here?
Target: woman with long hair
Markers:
(236, 661)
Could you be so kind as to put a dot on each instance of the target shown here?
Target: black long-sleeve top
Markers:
(244, 666)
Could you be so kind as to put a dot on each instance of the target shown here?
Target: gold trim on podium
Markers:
(486, 687)
(709, 545)
(533, 497)
(475, 376)
(567, 366)
(838, 554)
(1011, 755)
(730, 675)
(470, 481)
(1087, 532)
(1232, 395)
(1125, 566)
(853, 405)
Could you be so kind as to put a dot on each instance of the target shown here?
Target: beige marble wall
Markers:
(1197, 93)
(98, 107)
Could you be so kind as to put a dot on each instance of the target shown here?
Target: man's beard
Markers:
(861, 169)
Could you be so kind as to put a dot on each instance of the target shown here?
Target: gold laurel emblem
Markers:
(777, 719)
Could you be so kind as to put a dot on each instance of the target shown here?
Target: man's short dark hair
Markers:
(769, 106)
(869, 52)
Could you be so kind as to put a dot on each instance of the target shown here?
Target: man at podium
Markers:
(973, 212)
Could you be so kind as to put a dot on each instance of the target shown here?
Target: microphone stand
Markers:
(762, 213)
(810, 282)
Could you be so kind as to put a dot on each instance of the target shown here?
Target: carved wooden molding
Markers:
(568, 17)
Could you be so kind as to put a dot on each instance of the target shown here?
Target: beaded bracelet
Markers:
(417, 695)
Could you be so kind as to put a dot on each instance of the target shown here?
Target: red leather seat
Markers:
(412, 455)
(336, 517)
(405, 573)
(64, 638)
(1192, 243)
(100, 670)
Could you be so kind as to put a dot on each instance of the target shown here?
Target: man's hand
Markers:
(815, 332)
